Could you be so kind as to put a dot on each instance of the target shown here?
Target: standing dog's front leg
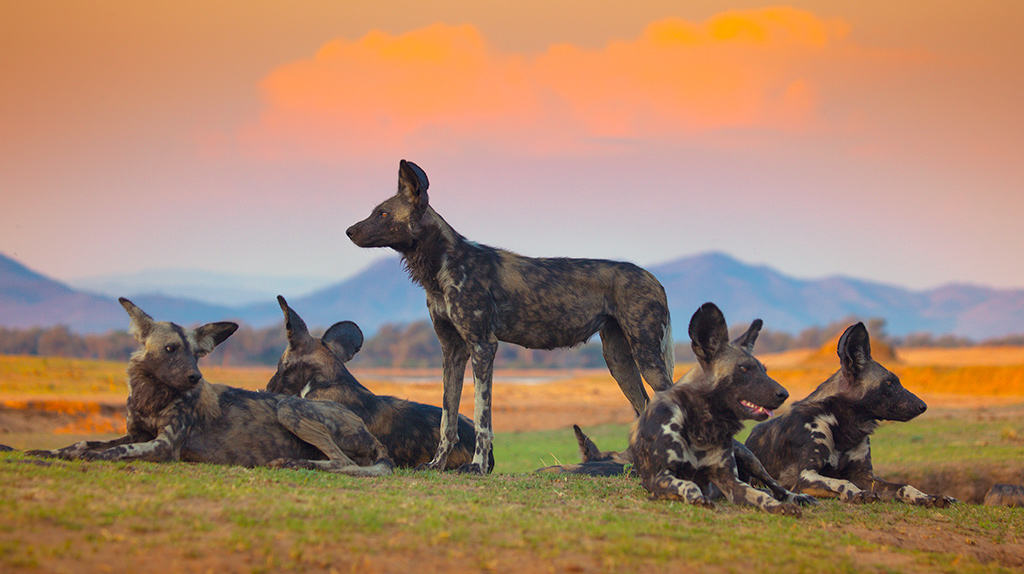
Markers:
(482, 353)
(455, 356)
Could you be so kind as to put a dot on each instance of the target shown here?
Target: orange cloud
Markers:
(442, 87)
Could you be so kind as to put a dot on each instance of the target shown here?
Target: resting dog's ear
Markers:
(212, 334)
(746, 340)
(294, 327)
(708, 333)
(141, 324)
(413, 184)
(344, 339)
(854, 351)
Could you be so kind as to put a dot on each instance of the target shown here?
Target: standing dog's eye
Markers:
(383, 215)
(171, 348)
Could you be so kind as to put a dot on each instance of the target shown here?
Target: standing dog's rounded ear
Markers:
(746, 340)
(708, 333)
(294, 326)
(141, 324)
(854, 351)
(413, 183)
(345, 339)
(212, 334)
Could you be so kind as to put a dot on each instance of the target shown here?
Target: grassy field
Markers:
(77, 516)
(58, 516)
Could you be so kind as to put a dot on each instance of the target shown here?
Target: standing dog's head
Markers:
(396, 222)
(875, 391)
(308, 358)
(169, 353)
(738, 382)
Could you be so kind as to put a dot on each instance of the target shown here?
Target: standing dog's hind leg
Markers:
(621, 364)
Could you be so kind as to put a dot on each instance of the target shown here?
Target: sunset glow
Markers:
(878, 140)
(443, 83)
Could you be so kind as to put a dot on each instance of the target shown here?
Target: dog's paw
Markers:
(936, 501)
(861, 497)
(427, 466)
(470, 468)
(703, 502)
(278, 463)
(785, 509)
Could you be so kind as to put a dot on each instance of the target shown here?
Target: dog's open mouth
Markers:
(757, 412)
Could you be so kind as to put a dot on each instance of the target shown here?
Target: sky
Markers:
(875, 139)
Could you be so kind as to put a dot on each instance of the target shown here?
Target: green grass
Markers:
(57, 515)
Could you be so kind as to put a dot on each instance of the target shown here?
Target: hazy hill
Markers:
(28, 299)
(383, 293)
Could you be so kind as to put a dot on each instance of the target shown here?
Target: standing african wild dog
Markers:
(315, 369)
(682, 444)
(479, 295)
(174, 414)
(822, 447)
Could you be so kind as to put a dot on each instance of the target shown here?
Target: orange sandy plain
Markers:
(79, 396)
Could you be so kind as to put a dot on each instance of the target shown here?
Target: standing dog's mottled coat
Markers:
(682, 445)
(822, 446)
(174, 414)
(478, 295)
(315, 369)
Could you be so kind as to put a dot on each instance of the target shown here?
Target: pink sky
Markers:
(881, 140)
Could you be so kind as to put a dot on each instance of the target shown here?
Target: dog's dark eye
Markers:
(171, 348)
(744, 369)
(383, 215)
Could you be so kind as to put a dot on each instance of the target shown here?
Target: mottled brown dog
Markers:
(822, 445)
(315, 369)
(174, 414)
(682, 445)
(478, 295)
(727, 386)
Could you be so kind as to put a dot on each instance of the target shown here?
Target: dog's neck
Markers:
(147, 396)
(716, 424)
(426, 256)
(853, 424)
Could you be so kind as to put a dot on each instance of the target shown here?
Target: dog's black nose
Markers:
(349, 232)
(194, 378)
(782, 394)
(923, 407)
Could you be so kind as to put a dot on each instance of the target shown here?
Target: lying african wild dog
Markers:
(315, 369)
(596, 462)
(822, 447)
(682, 445)
(174, 414)
(479, 295)
(683, 442)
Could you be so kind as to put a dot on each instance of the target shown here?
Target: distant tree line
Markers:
(415, 345)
